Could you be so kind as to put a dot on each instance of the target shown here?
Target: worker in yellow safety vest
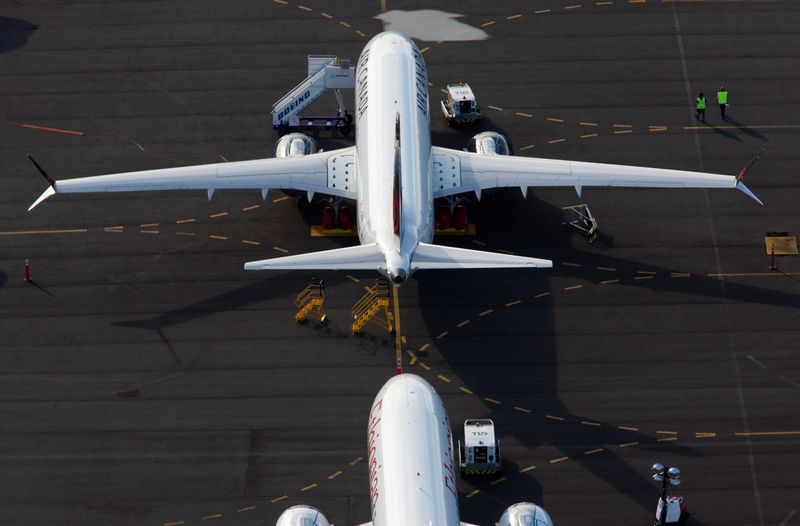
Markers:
(701, 108)
(722, 100)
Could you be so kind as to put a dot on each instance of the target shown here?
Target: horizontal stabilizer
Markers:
(360, 257)
(428, 256)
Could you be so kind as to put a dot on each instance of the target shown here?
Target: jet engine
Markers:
(525, 514)
(489, 143)
(295, 145)
(302, 516)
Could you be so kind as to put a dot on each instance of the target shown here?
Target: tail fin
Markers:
(358, 257)
(428, 256)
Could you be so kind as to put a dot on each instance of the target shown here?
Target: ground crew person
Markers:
(722, 100)
(701, 108)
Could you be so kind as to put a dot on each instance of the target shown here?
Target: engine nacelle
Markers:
(489, 143)
(295, 145)
(525, 514)
(302, 516)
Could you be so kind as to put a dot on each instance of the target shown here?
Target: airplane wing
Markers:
(330, 172)
(457, 172)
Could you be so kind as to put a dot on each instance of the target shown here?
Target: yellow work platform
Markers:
(784, 245)
(469, 231)
(318, 231)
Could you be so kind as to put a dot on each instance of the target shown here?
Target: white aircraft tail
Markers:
(428, 256)
(365, 257)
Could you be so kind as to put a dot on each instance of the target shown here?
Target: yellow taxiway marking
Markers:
(521, 114)
(609, 269)
(343, 23)
(413, 360)
(362, 34)
(555, 141)
(248, 242)
(487, 24)
(497, 481)
(423, 50)
(656, 128)
(213, 516)
(588, 423)
(479, 243)
(352, 278)
(626, 428)
(554, 119)
(334, 475)
(473, 493)
(145, 225)
(173, 523)
(277, 499)
(637, 1)
(398, 340)
(667, 439)
(326, 15)
(528, 147)
(767, 433)
(304, 8)
(465, 322)
(492, 400)
(284, 2)
(679, 274)
(148, 231)
(758, 127)
(621, 132)
(310, 486)
(522, 409)
(623, 126)
(604, 3)
(529, 468)
(279, 249)
(648, 272)
(513, 17)
(752, 274)
(356, 461)
(251, 207)
(247, 508)
(442, 335)
(583, 123)
(593, 451)
(221, 238)
(644, 277)
(425, 366)
(443, 378)
(494, 108)
(629, 444)
(573, 287)
(542, 11)
(115, 229)
(542, 295)
(559, 459)
(182, 221)
(504, 251)
(220, 214)
(705, 435)
(425, 346)
(607, 281)
(184, 233)
(468, 391)
(31, 232)
(484, 313)
(666, 432)
(512, 303)
(573, 6)
(279, 199)
(571, 264)
(589, 135)
(551, 417)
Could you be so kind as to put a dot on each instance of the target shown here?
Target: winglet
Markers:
(740, 186)
(51, 190)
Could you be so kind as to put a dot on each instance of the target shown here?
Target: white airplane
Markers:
(411, 465)
(394, 174)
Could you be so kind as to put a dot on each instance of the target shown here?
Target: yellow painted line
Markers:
(423, 50)
(413, 360)
(565, 263)
(425, 366)
(465, 322)
(252, 207)
(356, 461)
(590, 135)
(310, 486)
(284, 2)
(705, 435)
(443, 378)
(513, 17)
(248, 242)
(282, 497)
(362, 34)
(182, 221)
(184, 233)
(442, 335)
(522, 409)
(607, 281)
(148, 231)
(528, 147)
(551, 417)
(326, 15)
(767, 433)
(344, 24)
(542, 295)
(352, 278)
(492, 400)
(473, 493)
(279, 199)
(752, 274)
(553, 119)
(494, 108)
(529, 468)
(334, 475)
(607, 268)
(636, 1)
(623, 126)
(758, 127)
(145, 225)
(425, 346)
(279, 249)
(542, 11)
(497, 481)
(588, 423)
(487, 24)
(173, 523)
(573, 6)
(657, 128)
(573, 287)
(521, 114)
(583, 123)
(604, 3)
(221, 238)
(466, 390)
(248, 508)
(679, 275)
(479, 243)
(484, 313)
(214, 516)
(622, 132)
(666, 432)
(629, 444)
(593, 451)
(648, 272)
(505, 251)
(555, 141)
(113, 229)
(644, 277)
(667, 439)
(218, 215)
(512, 303)
(626, 428)
(398, 340)
(444, 91)
(30, 232)
(559, 459)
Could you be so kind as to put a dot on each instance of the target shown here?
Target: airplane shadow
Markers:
(14, 33)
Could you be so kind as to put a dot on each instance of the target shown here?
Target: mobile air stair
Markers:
(325, 72)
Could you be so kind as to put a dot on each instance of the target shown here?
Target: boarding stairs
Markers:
(312, 298)
(375, 300)
(324, 72)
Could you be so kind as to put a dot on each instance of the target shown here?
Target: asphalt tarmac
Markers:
(147, 379)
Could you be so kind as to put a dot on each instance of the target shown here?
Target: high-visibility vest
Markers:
(722, 97)
(701, 103)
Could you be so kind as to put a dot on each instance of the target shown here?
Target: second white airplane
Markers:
(394, 175)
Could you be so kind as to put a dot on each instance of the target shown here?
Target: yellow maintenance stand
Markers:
(312, 298)
(370, 305)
